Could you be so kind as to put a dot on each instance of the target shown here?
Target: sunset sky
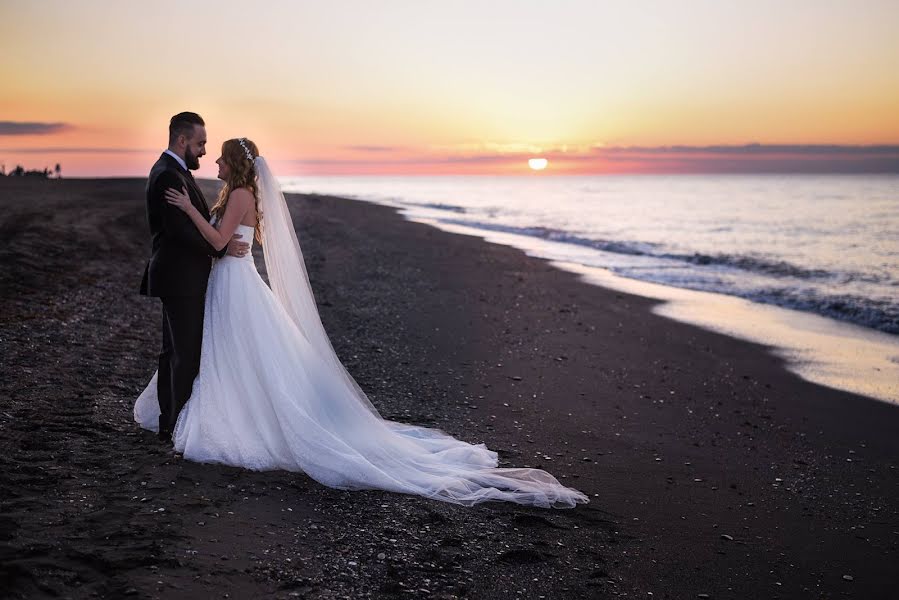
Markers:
(457, 87)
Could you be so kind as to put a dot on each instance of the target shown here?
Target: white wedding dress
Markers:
(271, 394)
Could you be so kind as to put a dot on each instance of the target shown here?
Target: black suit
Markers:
(176, 273)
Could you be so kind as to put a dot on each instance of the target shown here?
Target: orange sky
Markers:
(461, 87)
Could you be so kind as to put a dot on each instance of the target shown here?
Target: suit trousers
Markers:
(179, 361)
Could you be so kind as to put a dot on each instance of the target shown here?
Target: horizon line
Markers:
(596, 159)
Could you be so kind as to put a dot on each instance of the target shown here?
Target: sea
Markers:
(824, 247)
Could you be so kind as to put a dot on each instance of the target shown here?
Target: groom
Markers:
(179, 265)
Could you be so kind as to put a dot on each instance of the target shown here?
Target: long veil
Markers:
(287, 274)
(362, 449)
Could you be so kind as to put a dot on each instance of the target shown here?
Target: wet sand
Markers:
(711, 469)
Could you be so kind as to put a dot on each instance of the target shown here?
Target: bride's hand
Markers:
(179, 199)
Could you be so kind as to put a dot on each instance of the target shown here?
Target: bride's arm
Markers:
(239, 203)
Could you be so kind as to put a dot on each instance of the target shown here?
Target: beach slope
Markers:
(710, 468)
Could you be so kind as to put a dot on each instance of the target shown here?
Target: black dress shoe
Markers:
(165, 436)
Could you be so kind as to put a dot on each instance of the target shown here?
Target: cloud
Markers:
(30, 128)
(363, 148)
(412, 160)
(79, 150)
(743, 158)
(756, 149)
(754, 158)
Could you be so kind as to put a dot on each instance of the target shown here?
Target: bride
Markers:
(272, 394)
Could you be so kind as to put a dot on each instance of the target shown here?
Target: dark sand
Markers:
(711, 469)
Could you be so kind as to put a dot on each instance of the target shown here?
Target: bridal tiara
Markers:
(245, 149)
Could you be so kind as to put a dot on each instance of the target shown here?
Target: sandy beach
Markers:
(712, 470)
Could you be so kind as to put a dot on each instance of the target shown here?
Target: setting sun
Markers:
(538, 164)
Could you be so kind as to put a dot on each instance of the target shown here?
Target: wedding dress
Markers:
(272, 394)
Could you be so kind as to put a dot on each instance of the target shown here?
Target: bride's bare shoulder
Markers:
(243, 201)
(241, 193)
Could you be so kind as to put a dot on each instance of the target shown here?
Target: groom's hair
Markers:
(183, 124)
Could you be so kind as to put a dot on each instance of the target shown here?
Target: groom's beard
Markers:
(191, 160)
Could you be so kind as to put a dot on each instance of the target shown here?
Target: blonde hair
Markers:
(238, 154)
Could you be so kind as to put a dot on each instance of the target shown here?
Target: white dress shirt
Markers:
(178, 158)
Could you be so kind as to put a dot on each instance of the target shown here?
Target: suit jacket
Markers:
(181, 258)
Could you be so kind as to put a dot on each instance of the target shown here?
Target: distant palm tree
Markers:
(58, 170)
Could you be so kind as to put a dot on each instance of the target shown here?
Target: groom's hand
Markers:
(236, 247)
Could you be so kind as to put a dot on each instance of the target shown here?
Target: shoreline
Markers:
(820, 349)
(525, 209)
(711, 469)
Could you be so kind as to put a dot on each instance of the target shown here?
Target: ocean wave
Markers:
(749, 263)
(558, 235)
(876, 313)
(754, 264)
(868, 312)
(798, 291)
(439, 206)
